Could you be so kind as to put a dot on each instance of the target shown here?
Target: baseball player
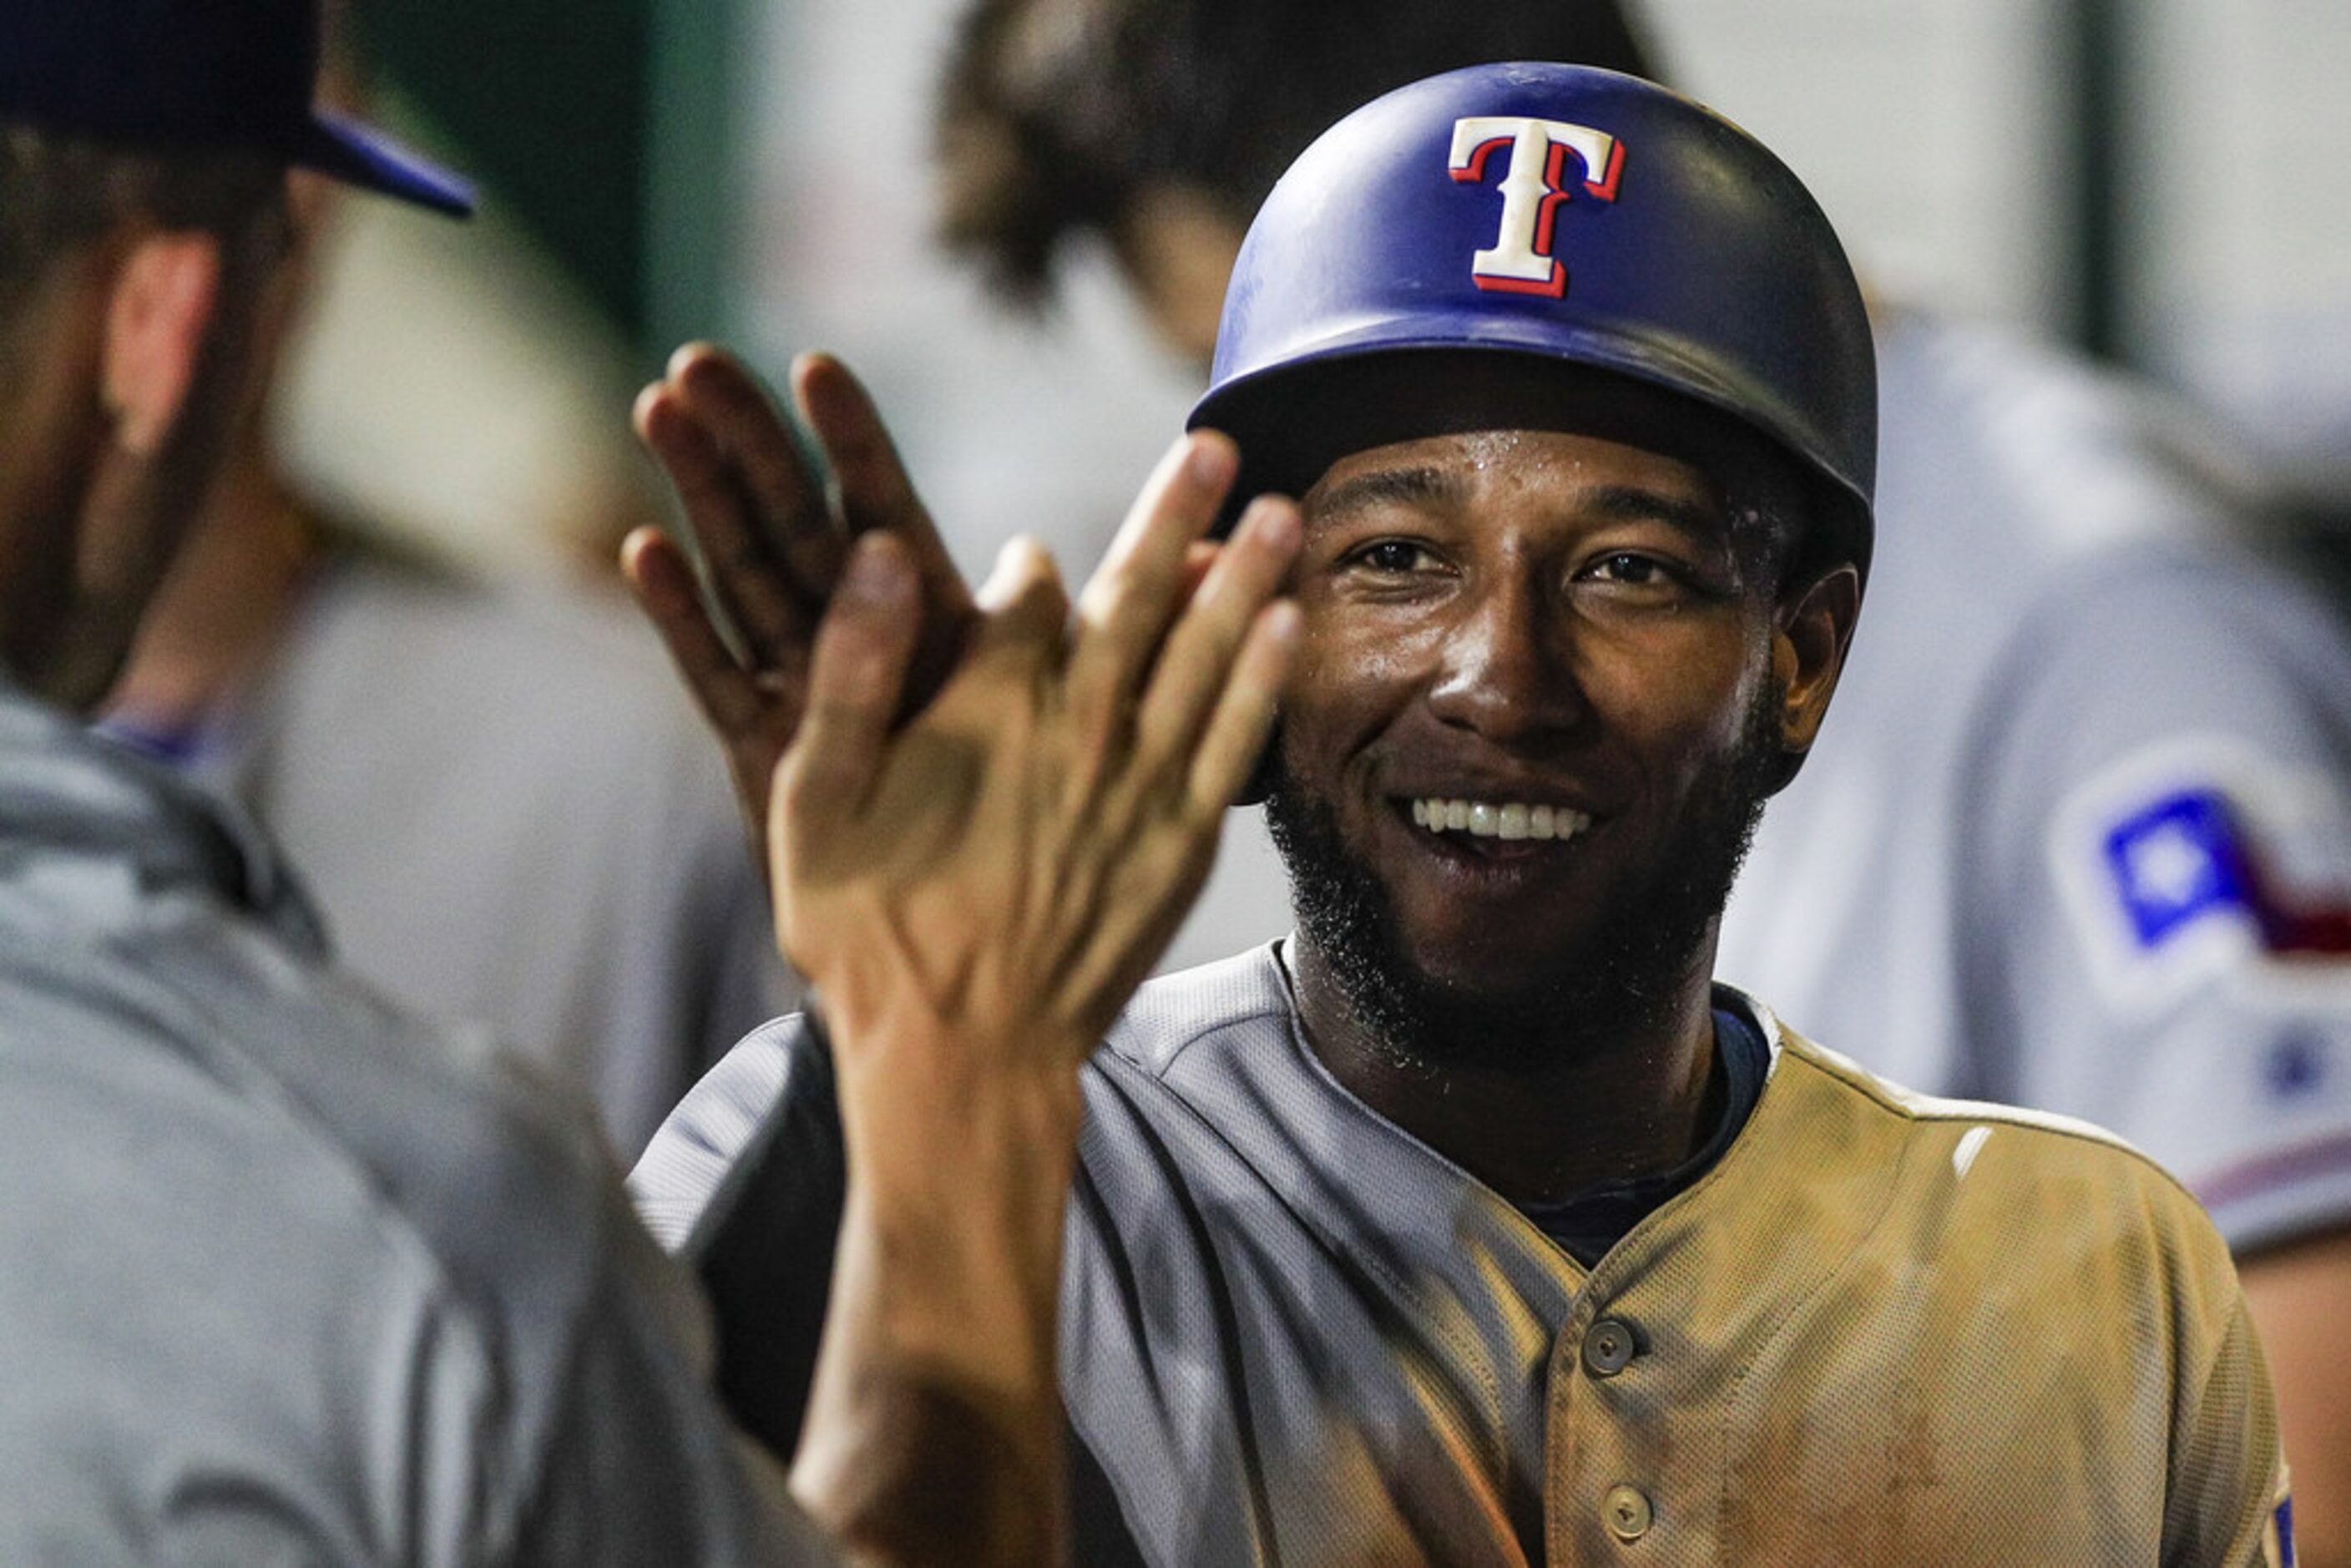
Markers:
(288, 1276)
(527, 834)
(2079, 833)
(1472, 1224)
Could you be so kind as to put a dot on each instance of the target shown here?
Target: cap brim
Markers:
(346, 150)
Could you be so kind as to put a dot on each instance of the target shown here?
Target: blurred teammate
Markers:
(1474, 1225)
(2080, 834)
(287, 1275)
(500, 803)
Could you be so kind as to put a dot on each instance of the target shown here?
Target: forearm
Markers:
(934, 1429)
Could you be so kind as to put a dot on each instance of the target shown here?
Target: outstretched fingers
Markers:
(662, 579)
(1222, 630)
(1236, 733)
(767, 539)
(875, 488)
(733, 406)
(863, 649)
(874, 493)
(1149, 573)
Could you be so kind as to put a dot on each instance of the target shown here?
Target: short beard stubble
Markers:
(1594, 999)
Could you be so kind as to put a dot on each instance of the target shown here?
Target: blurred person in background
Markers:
(288, 1275)
(500, 801)
(2079, 837)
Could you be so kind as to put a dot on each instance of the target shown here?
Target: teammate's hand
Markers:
(976, 891)
(1008, 865)
(773, 542)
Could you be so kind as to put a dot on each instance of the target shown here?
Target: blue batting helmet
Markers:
(1536, 216)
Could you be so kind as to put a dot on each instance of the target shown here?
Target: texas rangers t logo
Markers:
(1521, 261)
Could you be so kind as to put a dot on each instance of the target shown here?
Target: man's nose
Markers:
(1507, 672)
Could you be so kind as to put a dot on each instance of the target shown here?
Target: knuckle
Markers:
(1097, 716)
(824, 779)
(794, 793)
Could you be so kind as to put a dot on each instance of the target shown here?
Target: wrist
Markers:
(917, 1089)
(902, 1468)
(959, 1153)
(960, 1234)
(934, 1426)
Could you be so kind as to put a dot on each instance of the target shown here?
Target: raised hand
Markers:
(773, 539)
(1028, 842)
(977, 890)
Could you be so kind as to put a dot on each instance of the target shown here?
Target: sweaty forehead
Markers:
(1545, 470)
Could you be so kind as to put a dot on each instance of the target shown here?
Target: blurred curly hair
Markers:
(1054, 115)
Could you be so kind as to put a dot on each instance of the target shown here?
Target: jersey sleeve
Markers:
(2157, 892)
(745, 1184)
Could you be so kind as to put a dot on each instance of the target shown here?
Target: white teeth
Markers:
(1497, 820)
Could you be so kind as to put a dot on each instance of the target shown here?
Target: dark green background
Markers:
(605, 125)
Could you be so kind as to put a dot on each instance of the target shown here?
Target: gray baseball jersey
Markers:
(286, 1277)
(1879, 1329)
(511, 816)
(2078, 833)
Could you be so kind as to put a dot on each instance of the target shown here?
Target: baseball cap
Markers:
(199, 74)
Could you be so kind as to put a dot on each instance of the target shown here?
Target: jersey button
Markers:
(1608, 1347)
(1627, 1512)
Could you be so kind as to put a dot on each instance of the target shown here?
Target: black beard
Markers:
(1626, 980)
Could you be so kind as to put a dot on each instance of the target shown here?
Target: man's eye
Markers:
(1396, 556)
(1634, 570)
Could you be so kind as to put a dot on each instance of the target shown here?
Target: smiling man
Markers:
(1474, 1224)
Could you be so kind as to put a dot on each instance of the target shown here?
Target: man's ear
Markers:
(1808, 653)
(164, 295)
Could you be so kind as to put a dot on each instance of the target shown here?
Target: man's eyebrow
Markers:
(1638, 503)
(1384, 487)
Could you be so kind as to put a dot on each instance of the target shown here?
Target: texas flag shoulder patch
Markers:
(2173, 867)
(2174, 860)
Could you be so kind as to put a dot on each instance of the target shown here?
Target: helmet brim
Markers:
(1381, 384)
